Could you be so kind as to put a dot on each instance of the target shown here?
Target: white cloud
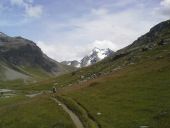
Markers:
(100, 28)
(165, 3)
(17, 2)
(32, 11)
(163, 9)
(99, 12)
(63, 52)
(102, 44)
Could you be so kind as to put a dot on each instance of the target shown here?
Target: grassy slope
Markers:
(39, 112)
(36, 72)
(83, 115)
(134, 96)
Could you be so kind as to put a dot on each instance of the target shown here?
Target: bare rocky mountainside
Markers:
(21, 59)
(158, 35)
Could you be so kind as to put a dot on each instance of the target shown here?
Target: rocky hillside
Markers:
(158, 35)
(24, 57)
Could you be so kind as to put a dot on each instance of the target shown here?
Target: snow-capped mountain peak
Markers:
(93, 57)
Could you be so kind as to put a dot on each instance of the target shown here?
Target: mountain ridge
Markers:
(24, 55)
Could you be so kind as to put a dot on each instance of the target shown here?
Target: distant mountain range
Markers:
(23, 59)
(93, 57)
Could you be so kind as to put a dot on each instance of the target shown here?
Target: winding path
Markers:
(73, 116)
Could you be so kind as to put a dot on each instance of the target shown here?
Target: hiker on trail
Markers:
(54, 90)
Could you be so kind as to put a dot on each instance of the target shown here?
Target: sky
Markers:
(69, 29)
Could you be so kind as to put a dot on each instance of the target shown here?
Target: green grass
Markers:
(138, 94)
(39, 112)
(131, 97)
(78, 110)
(36, 72)
(8, 101)
(13, 84)
(135, 96)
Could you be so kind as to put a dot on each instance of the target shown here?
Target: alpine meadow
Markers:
(84, 64)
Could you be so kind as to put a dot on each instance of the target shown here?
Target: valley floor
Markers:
(135, 96)
(38, 112)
